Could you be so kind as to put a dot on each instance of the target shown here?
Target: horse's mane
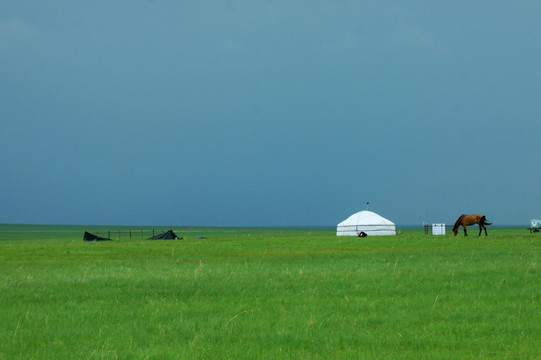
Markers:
(457, 223)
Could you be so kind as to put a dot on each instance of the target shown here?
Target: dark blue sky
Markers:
(244, 113)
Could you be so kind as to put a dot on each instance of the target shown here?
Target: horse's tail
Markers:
(484, 221)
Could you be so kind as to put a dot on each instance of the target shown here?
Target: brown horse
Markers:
(467, 220)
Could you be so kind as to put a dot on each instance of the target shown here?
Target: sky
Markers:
(269, 113)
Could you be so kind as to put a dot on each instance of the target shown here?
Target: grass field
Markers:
(241, 293)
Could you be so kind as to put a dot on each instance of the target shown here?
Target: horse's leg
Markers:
(481, 228)
(465, 232)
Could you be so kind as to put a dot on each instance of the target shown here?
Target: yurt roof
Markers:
(365, 217)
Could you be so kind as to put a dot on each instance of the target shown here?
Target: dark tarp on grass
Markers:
(92, 237)
(168, 235)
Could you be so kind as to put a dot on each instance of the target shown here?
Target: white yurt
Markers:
(367, 221)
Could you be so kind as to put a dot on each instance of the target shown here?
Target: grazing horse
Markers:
(467, 220)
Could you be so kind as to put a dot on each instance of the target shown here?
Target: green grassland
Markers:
(258, 293)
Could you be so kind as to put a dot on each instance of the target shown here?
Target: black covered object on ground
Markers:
(92, 237)
(168, 235)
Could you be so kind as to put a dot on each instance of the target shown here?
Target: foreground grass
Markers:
(269, 293)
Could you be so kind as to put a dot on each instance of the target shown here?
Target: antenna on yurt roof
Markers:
(367, 205)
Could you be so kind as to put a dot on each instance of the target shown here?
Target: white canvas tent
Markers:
(366, 221)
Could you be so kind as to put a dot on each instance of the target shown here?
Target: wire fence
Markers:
(130, 234)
